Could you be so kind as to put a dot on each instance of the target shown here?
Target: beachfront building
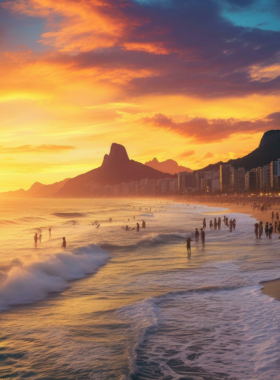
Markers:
(239, 179)
(275, 174)
(226, 177)
(251, 180)
(186, 181)
(266, 186)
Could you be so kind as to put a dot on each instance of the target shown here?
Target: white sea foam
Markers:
(28, 283)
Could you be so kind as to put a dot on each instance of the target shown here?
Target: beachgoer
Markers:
(40, 238)
(270, 231)
(196, 235)
(188, 244)
(63, 243)
(256, 230)
(35, 239)
(202, 232)
(137, 226)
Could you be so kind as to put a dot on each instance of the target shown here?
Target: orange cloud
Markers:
(39, 149)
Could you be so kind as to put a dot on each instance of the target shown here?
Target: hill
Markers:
(167, 166)
(37, 190)
(116, 168)
(267, 151)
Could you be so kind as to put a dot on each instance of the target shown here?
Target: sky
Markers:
(197, 81)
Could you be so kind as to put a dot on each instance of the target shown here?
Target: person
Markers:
(40, 238)
(188, 245)
(219, 223)
(36, 239)
(270, 231)
(234, 224)
(143, 224)
(260, 230)
(50, 231)
(211, 224)
(137, 226)
(266, 229)
(202, 236)
(256, 230)
(196, 235)
(204, 223)
(126, 228)
(63, 243)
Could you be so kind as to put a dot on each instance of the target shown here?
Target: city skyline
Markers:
(199, 87)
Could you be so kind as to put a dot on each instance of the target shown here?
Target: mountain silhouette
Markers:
(267, 151)
(37, 190)
(116, 168)
(167, 166)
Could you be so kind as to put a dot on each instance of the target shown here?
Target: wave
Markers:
(149, 241)
(24, 284)
(69, 214)
(145, 317)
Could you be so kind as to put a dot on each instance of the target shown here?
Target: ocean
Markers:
(126, 305)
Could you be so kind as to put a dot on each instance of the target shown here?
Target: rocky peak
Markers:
(117, 154)
(270, 137)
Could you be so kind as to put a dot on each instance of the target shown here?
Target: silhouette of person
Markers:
(35, 239)
(63, 243)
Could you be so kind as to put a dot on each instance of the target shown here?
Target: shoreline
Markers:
(270, 288)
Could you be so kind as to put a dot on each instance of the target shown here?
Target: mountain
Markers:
(37, 190)
(267, 151)
(116, 168)
(168, 166)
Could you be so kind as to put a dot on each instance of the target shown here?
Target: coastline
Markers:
(270, 288)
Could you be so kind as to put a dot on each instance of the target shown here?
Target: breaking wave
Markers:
(28, 283)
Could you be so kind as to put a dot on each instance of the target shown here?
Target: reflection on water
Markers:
(122, 304)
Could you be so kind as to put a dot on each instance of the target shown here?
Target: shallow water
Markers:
(130, 305)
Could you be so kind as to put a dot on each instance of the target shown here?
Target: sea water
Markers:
(123, 305)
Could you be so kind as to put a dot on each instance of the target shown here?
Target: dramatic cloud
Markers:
(31, 149)
(208, 155)
(175, 47)
(186, 154)
(203, 130)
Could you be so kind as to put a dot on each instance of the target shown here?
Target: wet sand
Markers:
(272, 288)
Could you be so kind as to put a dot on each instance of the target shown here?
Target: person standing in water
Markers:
(35, 239)
(50, 231)
(137, 226)
(256, 230)
(196, 235)
(63, 243)
(202, 236)
(188, 245)
(40, 238)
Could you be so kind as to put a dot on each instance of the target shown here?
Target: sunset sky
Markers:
(197, 81)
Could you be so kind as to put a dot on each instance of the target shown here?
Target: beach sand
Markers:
(272, 288)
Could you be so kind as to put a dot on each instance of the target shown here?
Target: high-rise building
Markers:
(226, 177)
(275, 174)
(251, 180)
(266, 178)
(186, 180)
(239, 179)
